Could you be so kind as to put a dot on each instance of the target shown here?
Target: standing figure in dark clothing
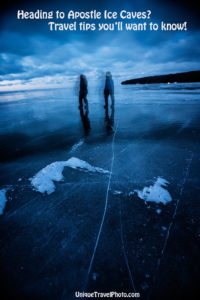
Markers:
(109, 89)
(83, 91)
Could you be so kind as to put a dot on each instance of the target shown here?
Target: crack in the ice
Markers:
(104, 213)
(189, 160)
(124, 251)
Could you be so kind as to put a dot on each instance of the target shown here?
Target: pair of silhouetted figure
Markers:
(108, 90)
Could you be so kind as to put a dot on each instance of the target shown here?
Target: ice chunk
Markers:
(43, 181)
(156, 193)
(3, 200)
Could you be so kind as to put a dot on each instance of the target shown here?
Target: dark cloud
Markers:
(29, 52)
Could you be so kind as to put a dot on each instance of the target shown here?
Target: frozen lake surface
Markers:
(122, 213)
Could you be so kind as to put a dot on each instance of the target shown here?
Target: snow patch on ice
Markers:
(77, 145)
(76, 163)
(3, 200)
(43, 181)
(156, 193)
(117, 192)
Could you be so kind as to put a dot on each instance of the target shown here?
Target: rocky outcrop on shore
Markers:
(193, 76)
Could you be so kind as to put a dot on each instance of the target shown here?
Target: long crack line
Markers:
(104, 213)
(124, 251)
(173, 216)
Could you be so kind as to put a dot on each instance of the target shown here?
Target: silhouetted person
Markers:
(109, 119)
(109, 89)
(83, 91)
(85, 120)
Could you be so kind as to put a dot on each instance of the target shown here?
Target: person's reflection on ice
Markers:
(83, 92)
(109, 118)
(85, 120)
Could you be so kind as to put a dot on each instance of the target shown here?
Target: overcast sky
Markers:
(31, 56)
